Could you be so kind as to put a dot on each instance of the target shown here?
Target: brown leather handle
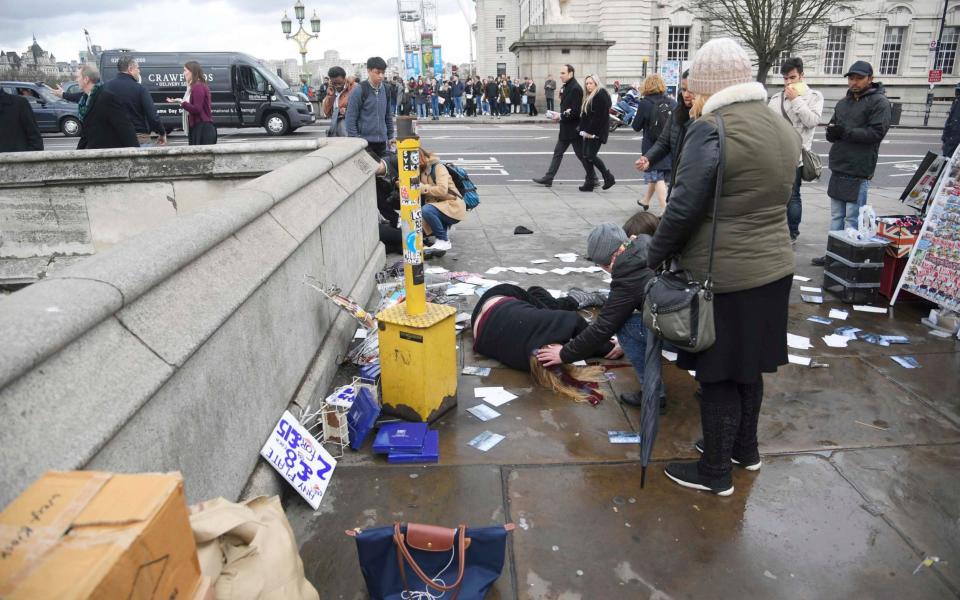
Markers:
(404, 555)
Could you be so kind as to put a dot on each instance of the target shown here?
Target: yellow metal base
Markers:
(418, 361)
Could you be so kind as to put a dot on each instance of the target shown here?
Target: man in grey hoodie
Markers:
(368, 112)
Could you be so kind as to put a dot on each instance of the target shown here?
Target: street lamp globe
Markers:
(286, 24)
(315, 22)
(298, 10)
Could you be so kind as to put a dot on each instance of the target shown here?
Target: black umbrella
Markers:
(652, 392)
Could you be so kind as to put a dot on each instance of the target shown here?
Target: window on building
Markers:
(948, 49)
(501, 21)
(891, 49)
(656, 47)
(836, 54)
(501, 69)
(501, 42)
(678, 43)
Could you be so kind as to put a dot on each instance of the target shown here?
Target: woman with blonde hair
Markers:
(727, 221)
(443, 206)
(653, 118)
(594, 129)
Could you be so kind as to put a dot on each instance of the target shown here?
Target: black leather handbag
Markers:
(678, 308)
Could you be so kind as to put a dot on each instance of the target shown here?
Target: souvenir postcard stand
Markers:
(332, 417)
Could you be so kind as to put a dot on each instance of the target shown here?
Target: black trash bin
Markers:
(895, 112)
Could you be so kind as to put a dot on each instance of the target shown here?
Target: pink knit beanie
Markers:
(719, 64)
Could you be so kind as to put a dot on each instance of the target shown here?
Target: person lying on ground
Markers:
(626, 260)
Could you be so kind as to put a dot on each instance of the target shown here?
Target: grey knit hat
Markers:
(719, 64)
(603, 241)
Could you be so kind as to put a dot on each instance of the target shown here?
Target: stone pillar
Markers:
(543, 49)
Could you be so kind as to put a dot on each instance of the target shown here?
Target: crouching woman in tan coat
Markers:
(443, 205)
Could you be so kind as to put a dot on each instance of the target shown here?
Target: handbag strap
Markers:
(708, 284)
(403, 555)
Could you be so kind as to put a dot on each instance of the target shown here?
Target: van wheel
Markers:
(70, 126)
(276, 124)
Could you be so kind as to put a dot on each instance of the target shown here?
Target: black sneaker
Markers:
(586, 299)
(587, 187)
(635, 400)
(819, 261)
(608, 181)
(687, 475)
(544, 181)
(752, 466)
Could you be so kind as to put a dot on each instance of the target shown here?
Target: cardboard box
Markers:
(85, 534)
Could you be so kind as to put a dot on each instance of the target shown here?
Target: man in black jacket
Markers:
(105, 122)
(18, 124)
(571, 101)
(136, 100)
(859, 124)
(951, 129)
(626, 261)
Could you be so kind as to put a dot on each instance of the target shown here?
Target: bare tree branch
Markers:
(771, 27)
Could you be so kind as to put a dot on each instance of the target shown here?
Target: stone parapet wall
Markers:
(178, 349)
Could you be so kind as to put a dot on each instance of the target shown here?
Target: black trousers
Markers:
(591, 147)
(533, 106)
(729, 412)
(560, 149)
(378, 148)
(549, 103)
(202, 134)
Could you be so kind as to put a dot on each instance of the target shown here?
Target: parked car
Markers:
(53, 114)
(244, 93)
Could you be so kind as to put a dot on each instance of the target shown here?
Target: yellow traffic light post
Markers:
(418, 353)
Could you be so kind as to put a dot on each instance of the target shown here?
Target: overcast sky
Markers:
(357, 29)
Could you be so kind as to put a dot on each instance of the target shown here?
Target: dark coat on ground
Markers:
(571, 98)
(646, 114)
(18, 125)
(671, 139)
(865, 122)
(107, 125)
(752, 243)
(596, 119)
(627, 289)
(513, 330)
(951, 130)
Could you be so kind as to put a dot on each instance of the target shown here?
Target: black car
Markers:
(53, 114)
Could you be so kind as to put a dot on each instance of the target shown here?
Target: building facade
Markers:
(498, 26)
(893, 35)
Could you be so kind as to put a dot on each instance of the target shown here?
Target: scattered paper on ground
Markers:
(798, 342)
(836, 313)
(800, 278)
(811, 299)
(483, 412)
(539, 261)
(799, 360)
(907, 362)
(870, 309)
(807, 288)
(361, 334)
(463, 317)
(435, 271)
(671, 356)
(495, 270)
(940, 333)
(836, 341)
(496, 396)
(579, 363)
(567, 257)
(460, 289)
(623, 437)
(478, 371)
(486, 440)
(821, 320)
(556, 293)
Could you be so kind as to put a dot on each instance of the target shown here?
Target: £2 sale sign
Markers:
(300, 458)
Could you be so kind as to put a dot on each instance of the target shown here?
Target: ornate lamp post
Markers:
(301, 37)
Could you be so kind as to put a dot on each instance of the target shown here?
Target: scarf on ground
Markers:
(87, 101)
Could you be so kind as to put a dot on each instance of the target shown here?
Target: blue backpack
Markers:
(467, 188)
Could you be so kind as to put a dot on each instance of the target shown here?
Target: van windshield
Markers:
(278, 84)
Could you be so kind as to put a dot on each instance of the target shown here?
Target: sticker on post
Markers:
(411, 238)
(300, 459)
(411, 160)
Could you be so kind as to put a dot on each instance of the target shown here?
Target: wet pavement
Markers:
(859, 481)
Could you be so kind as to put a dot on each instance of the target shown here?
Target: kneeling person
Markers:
(626, 260)
(443, 206)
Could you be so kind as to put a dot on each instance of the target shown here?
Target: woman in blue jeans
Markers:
(443, 205)
(626, 261)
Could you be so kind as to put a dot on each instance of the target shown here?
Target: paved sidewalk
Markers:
(859, 480)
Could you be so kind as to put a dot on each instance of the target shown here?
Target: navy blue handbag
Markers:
(412, 561)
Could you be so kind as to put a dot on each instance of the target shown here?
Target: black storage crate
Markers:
(855, 251)
(850, 292)
(845, 270)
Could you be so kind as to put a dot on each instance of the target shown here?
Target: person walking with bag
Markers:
(594, 129)
(727, 221)
(653, 117)
(670, 140)
(196, 105)
(802, 107)
(571, 103)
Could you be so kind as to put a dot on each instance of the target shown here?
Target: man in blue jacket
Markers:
(136, 100)
(456, 92)
(368, 112)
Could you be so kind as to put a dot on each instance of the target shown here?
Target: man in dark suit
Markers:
(106, 123)
(19, 126)
(571, 101)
